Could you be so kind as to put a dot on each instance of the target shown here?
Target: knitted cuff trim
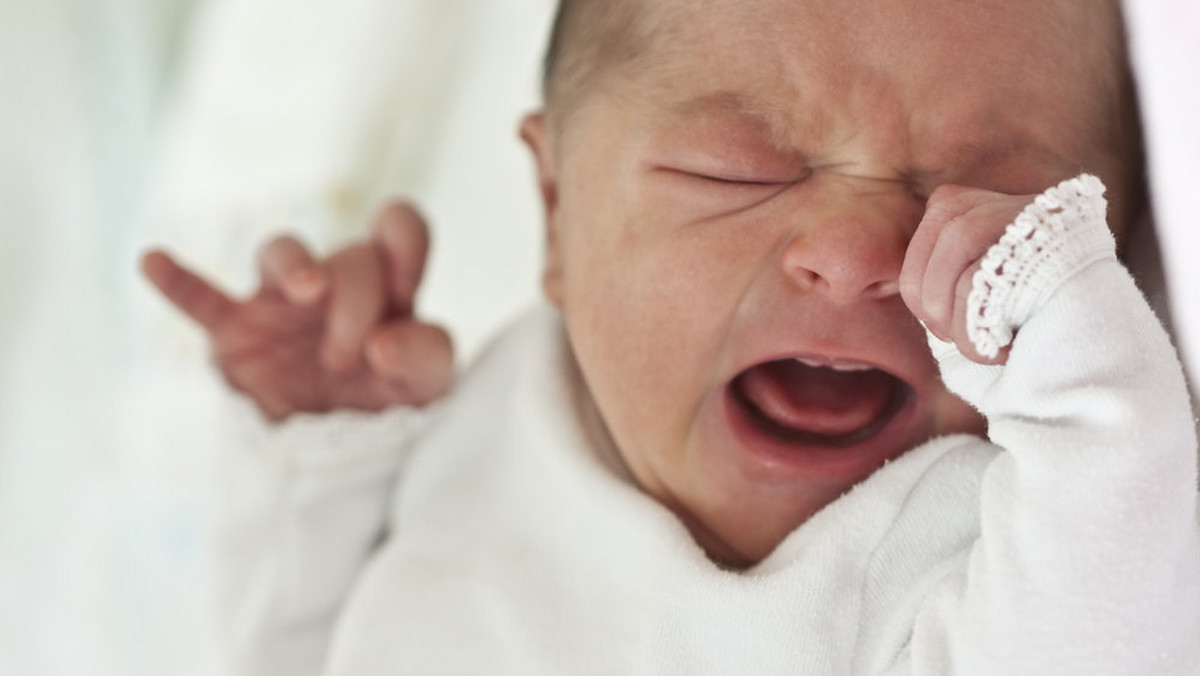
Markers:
(1060, 233)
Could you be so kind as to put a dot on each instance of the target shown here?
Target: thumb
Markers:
(415, 360)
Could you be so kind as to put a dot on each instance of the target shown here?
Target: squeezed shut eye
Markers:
(732, 179)
(704, 192)
(737, 181)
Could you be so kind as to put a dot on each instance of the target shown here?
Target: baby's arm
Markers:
(1089, 556)
(300, 509)
(302, 500)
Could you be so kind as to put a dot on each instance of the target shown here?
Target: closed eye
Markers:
(732, 180)
(737, 181)
(706, 194)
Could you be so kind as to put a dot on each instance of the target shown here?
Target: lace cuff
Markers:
(1060, 233)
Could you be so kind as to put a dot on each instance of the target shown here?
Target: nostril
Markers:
(847, 263)
(883, 288)
(846, 285)
(807, 279)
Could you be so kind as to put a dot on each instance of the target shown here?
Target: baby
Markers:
(726, 447)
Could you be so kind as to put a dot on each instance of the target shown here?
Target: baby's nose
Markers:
(847, 259)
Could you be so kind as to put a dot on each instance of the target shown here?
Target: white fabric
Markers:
(103, 449)
(1041, 248)
(1164, 44)
(308, 117)
(269, 113)
(513, 546)
(99, 553)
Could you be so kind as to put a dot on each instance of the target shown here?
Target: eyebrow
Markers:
(993, 148)
(726, 101)
(770, 119)
(988, 151)
(996, 149)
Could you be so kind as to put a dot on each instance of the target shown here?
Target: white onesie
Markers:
(495, 535)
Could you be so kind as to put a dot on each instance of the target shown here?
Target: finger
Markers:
(356, 304)
(916, 259)
(198, 299)
(416, 358)
(286, 264)
(944, 205)
(960, 246)
(403, 239)
(913, 274)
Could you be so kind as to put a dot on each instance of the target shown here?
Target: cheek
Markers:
(648, 306)
(652, 287)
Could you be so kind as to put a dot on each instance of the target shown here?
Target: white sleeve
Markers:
(300, 508)
(1088, 560)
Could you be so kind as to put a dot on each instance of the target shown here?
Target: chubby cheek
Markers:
(648, 305)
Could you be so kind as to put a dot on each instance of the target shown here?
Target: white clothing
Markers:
(1067, 545)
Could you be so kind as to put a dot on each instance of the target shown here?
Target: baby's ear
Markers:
(537, 136)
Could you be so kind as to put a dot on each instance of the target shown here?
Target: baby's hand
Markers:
(323, 335)
(959, 226)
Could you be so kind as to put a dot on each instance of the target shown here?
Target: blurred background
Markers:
(206, 125)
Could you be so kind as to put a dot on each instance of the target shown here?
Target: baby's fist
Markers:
(959, 226)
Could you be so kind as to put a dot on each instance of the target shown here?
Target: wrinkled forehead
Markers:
(1079, 31)
(939, 44)
(799, 65)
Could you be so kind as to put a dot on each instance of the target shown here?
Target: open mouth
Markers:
(818, 402)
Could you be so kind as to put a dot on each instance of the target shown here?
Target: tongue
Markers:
(817, 400)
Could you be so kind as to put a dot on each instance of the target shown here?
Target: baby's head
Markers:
(730, 186)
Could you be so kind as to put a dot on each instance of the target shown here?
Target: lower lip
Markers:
(762, 454)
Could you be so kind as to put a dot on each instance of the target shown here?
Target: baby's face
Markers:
(729, 214)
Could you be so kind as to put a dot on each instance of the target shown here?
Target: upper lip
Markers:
(885, 338)
(836, 359)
